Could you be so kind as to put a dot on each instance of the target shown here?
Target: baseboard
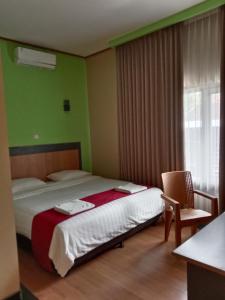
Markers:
(16, 296)
(24, 294)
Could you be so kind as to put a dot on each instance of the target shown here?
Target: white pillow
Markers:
(24, 184)
(67, 175)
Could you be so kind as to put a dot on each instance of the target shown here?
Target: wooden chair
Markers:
(179, 204)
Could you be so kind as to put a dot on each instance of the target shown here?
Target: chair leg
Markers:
(193, 229)
(168, 221)
(177, 234)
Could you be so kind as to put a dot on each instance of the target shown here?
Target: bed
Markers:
(85, 235)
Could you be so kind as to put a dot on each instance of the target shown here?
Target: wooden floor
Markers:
(143, 269)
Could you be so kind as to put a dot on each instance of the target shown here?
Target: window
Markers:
(201, 132)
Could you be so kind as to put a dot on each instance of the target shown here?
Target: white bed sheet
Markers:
(78, 235)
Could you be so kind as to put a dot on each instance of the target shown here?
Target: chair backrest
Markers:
(178, 186)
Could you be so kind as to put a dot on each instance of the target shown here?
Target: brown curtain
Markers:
(222, 120)
(150, 106)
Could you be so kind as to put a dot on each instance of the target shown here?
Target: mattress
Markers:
(80, 234)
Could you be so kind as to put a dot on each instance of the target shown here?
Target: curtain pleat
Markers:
(150, 106)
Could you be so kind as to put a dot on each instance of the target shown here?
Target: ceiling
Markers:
(80, 27)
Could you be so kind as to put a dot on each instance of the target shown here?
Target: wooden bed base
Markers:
(25, 243)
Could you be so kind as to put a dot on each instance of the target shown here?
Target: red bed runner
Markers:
(44, 223)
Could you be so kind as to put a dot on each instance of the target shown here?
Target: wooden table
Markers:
(205, 255)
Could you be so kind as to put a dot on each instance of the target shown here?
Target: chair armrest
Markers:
(214, 201)
(170, 201)
(205, 195)
(175, 205)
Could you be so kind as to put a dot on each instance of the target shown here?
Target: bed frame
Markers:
(39, 161)
(117, 242)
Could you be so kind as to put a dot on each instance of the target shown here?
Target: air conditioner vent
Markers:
(35, 58)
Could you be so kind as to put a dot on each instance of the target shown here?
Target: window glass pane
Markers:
(201, 135)
(215, 109)
(192, 111)
(215, 123)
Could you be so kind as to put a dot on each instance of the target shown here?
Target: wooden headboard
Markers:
(41, 160)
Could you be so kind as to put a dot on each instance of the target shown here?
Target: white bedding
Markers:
(80, 234)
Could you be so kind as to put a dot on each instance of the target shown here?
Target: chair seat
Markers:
(191, 213)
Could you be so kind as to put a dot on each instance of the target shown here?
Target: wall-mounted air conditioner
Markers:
(35, 58)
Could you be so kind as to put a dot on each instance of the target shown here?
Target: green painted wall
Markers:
(34, 102)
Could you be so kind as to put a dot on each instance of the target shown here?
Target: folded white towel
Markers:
(73, 207)
(131, 188)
